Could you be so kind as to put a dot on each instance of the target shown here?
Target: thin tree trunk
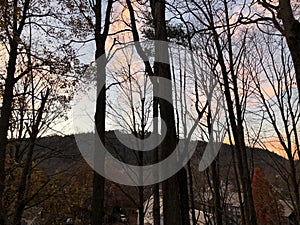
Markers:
(141, 163)
(236, 125)
(191, 190)
(156, 194)
(217, 197)
(25, 178)
(215, 179)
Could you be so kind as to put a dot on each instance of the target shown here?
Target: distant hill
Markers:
(61, 151)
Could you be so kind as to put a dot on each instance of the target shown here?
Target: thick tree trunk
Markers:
(170, 187)
(156, 205)
(100, 39)
(184, 196)
(292, 34)
(295, 187)
(141, 205)
(98, 180)
(98, 199)
(6, 112)
(238, 186)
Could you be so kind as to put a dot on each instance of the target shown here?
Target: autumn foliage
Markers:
(268, 208)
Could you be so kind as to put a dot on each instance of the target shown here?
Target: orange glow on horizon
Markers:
(271, 144)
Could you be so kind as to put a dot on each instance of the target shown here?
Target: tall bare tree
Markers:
(101, 34)
(170, 187)
(226, 56)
